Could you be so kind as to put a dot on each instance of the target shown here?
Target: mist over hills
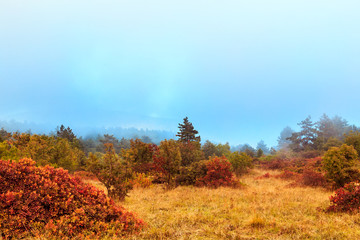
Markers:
(86, 132)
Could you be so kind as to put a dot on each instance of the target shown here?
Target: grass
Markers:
(264, 209)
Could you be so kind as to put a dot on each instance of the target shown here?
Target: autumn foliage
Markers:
(35, 200)
(218, 174)
(346, 199)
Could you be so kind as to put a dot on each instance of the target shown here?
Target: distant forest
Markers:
(156, 136)
(313, 135)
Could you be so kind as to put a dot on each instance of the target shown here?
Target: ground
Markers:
(262, 209)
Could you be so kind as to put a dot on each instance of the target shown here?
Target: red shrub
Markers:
(50, 200)
(286, 174)
(275, 164)
(85, 175)
(311, 178)
(310, 163)
(346, 199)
(218, 174)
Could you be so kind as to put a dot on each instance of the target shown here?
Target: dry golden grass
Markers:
(264, 209)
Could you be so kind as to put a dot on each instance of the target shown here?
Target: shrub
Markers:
(314, 163)
(339, 164)
(189, 175)
(346, 199)
(286, 174)
(44, 150)
(140, 156)
(167, 162)
(275, 164)
(240, 162)
(310, 154)
(112, 171)
(190, 152)
(141, 180)
(352, 138)
(85, 175)
(311, 178)
(50, 200)
(218, 174)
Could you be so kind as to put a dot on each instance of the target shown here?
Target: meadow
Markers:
(268, 208)
(179, 189)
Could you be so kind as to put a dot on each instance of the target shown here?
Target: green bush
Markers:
(339, 163)
(188, 175)
(112, 171)
(240, 162)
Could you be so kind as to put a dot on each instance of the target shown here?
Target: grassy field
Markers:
(263, 209)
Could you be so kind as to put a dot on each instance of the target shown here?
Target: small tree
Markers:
(353, 138)
(187, 132)
(339, 164)
(240, 162)
(190, 152)
(112, 171)
(259, 153)
(140, 155)
(209, 149)
(167, 162)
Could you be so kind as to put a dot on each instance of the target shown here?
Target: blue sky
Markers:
(240, 70)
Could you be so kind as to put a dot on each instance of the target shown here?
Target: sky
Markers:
(240, 70)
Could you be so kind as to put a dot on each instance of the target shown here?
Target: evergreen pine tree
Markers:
(187, 132)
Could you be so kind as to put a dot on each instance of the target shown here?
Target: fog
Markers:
(240, 70)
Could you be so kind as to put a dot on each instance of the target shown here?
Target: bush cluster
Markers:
(286, 174)
(46, 199)
(304, 171)
(311, 178)
(346, 199)
(141, 180)
(218, 174)
(340, 165)
(189, 174)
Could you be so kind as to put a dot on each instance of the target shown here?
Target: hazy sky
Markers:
(240, 70)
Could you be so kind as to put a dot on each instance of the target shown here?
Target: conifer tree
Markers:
(187, 132)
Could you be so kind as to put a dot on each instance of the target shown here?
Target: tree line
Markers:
(118, 164)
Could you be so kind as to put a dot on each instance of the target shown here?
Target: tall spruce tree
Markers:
(187, 133)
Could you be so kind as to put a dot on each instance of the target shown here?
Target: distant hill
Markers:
(86, 132)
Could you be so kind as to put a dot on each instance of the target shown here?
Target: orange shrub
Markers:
(218, 174)
(141, 180)
(85, 175)
(50, 200)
